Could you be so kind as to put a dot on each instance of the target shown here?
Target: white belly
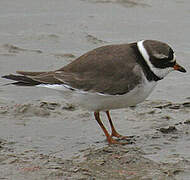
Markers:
(104, 102)
(100, 102)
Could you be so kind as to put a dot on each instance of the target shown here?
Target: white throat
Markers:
(161, 73)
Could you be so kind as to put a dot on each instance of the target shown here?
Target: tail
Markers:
(24, 79)
(32, 78)
(21, 80)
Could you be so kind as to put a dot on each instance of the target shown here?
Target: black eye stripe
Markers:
(164, 63)
(169, 64)
(171, 54)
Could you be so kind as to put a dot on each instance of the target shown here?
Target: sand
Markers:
(44, 137)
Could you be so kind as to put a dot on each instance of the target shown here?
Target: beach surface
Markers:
(43, 137)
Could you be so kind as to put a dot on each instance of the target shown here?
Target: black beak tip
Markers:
(179, 68)
(182, 70)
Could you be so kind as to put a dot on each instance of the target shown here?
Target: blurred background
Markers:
(44, 35)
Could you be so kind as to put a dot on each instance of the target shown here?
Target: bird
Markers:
(108, 77)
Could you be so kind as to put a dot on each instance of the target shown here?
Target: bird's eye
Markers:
(170, 60)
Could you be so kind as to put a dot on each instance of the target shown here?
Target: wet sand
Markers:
(44, 137)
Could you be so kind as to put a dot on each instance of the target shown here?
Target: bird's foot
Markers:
(119, 136)
(114, 141)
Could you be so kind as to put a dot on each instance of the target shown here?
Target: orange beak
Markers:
(177, 67)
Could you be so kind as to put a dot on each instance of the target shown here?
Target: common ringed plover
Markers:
(108, 77)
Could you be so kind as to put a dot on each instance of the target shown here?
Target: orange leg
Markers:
(109, 138)
(114, 132)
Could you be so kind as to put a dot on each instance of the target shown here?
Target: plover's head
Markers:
(159, 56)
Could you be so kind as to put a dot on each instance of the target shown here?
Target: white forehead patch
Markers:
(160, 56)
(157, 71)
